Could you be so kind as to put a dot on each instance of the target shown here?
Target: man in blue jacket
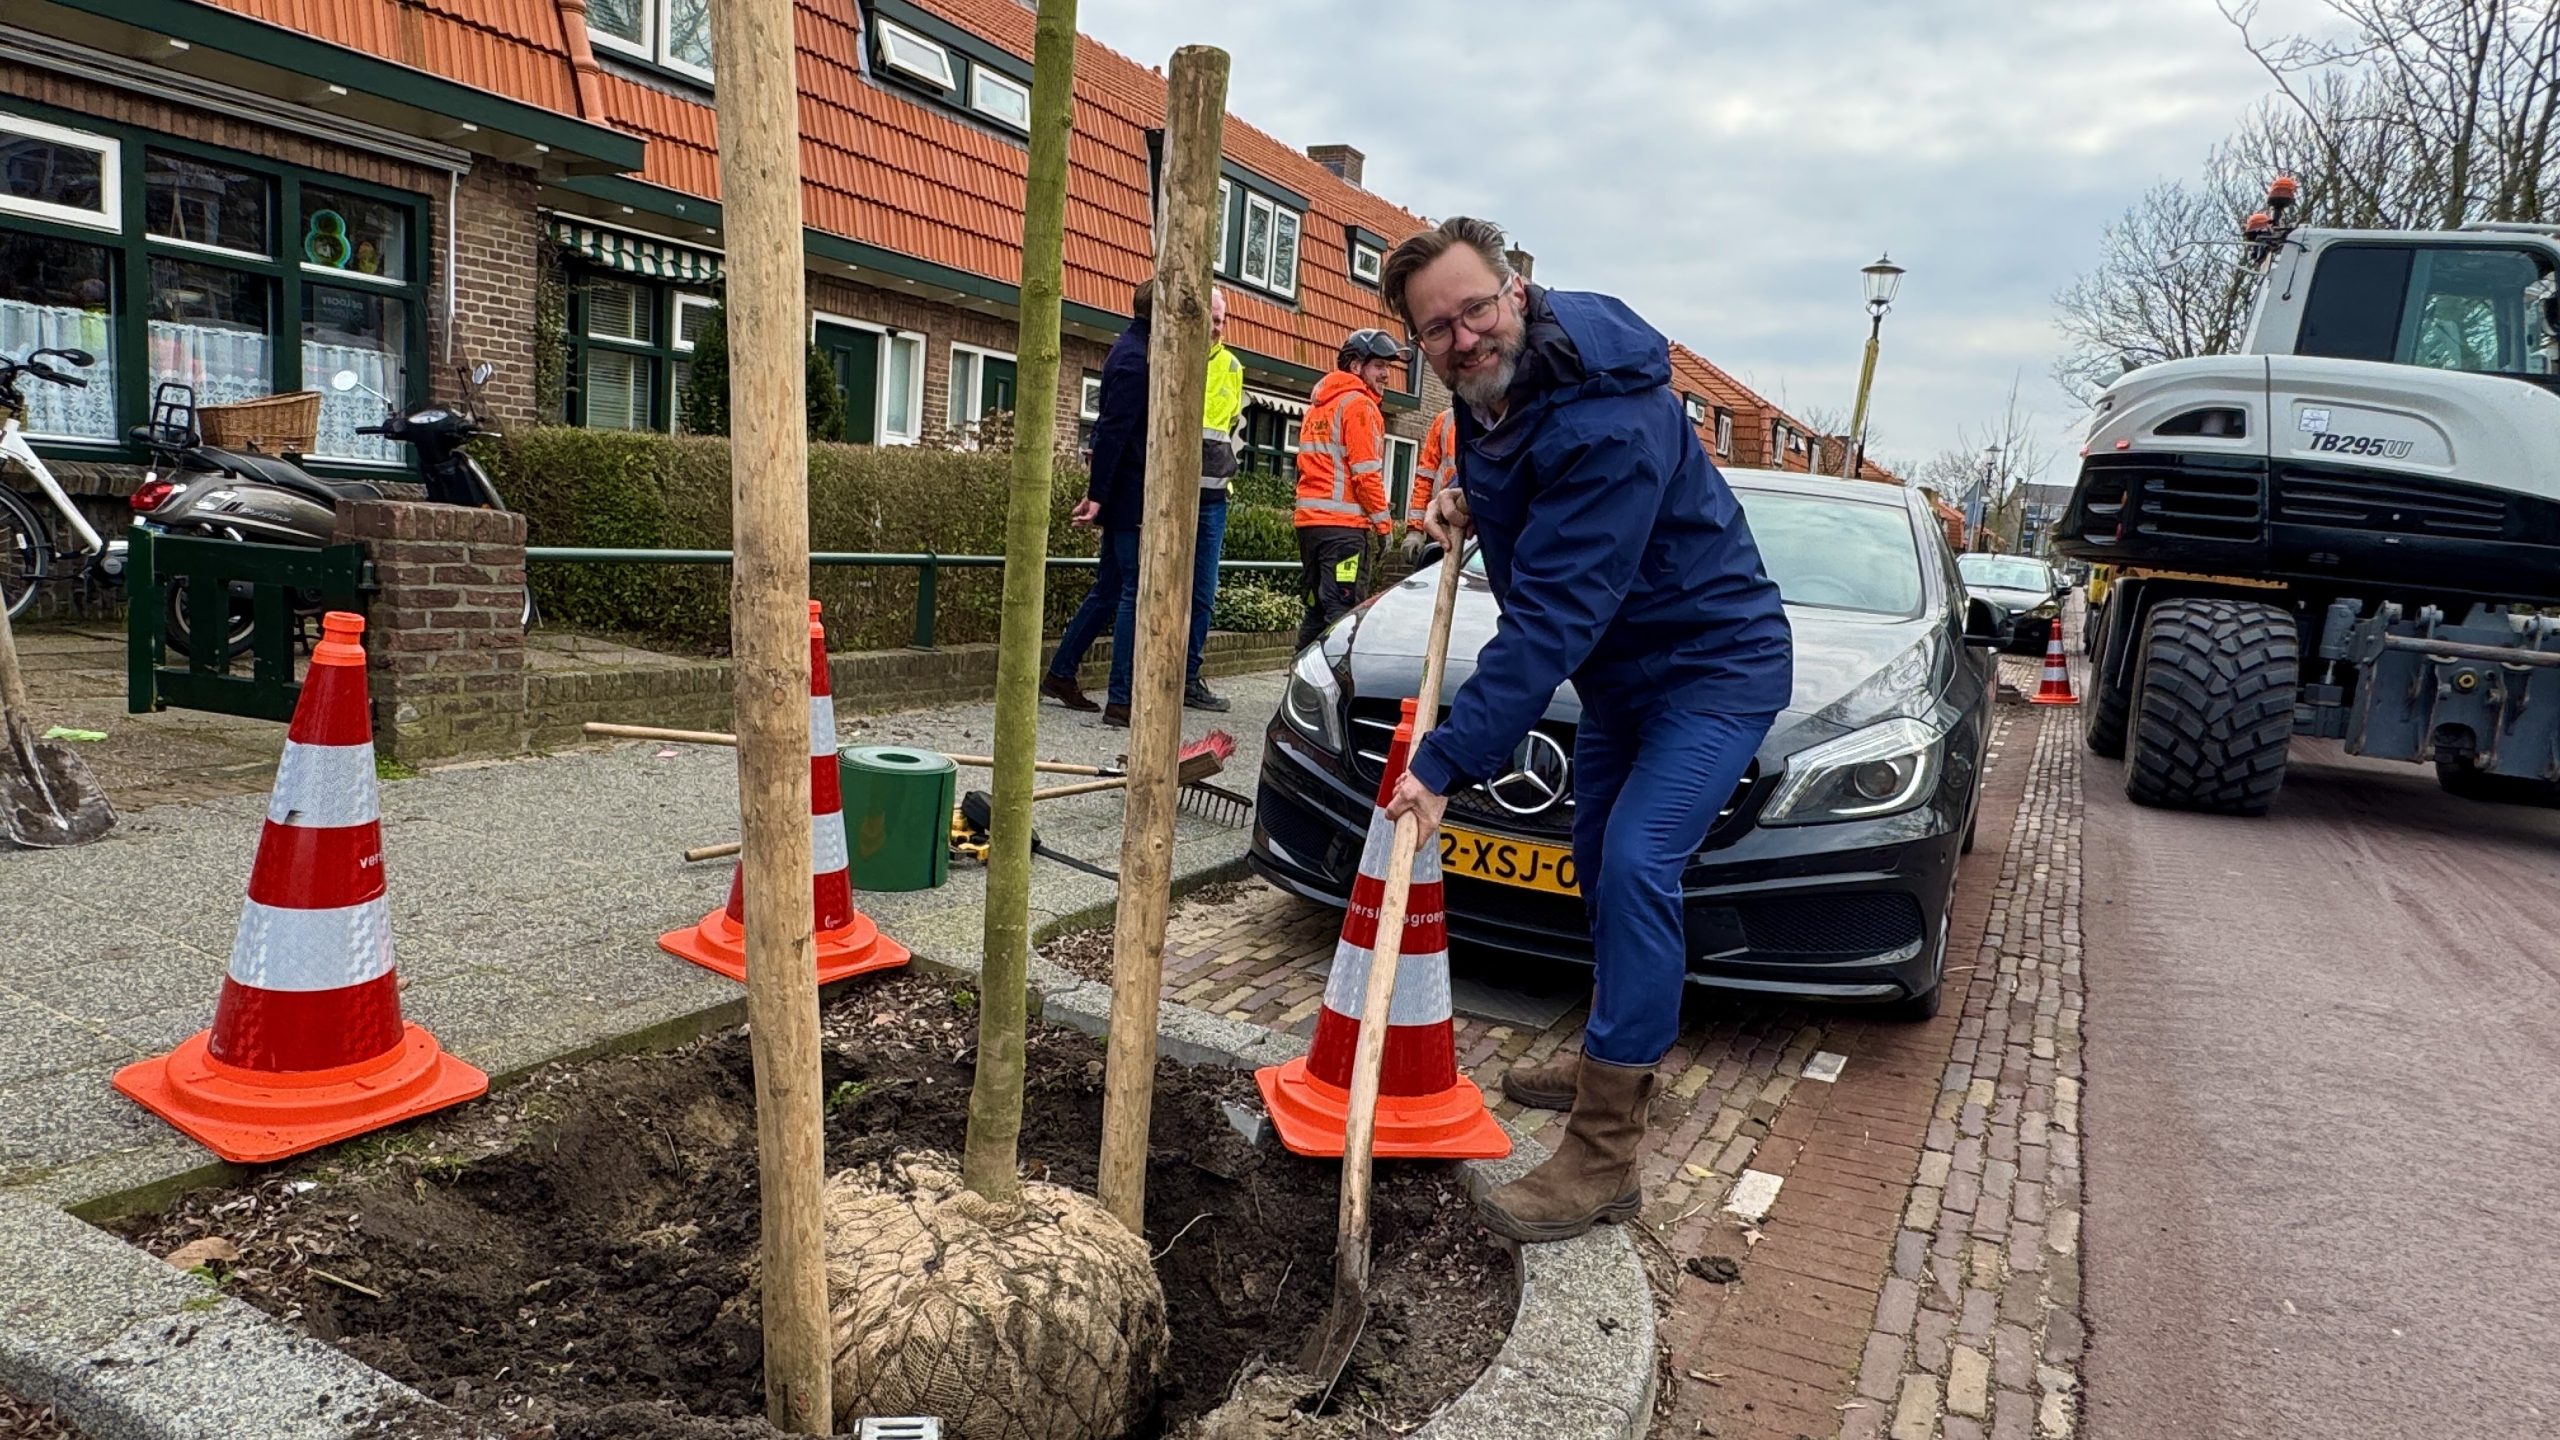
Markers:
(1621, 563)
(1114, 499)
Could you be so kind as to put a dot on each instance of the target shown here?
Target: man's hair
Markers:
(1142, 301)
(1422, 247)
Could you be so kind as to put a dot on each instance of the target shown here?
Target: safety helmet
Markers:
(1367, 345)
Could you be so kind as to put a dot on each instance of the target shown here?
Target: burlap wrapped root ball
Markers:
(1040, 1320)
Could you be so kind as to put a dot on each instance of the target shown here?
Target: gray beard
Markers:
(1488, 390)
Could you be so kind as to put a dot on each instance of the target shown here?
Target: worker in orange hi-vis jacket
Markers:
(1342, 483)
(1437, 466)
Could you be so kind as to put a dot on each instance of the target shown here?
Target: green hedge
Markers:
(628, 490)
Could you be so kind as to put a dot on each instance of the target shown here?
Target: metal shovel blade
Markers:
(48, 798)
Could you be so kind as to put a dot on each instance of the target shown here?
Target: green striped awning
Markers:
(656, 259)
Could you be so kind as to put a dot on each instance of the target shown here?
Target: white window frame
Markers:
(1226, 215)
(1287, 285)
(976, 355)
(685, 300)
(1368, 262)
(1696, 409)
(665, 31)
(980, 76)
(1403, 489)
(890, 337)
(110, 152)
(1244, 241)
(914, 433)
(1089, 400)
(1724, 431)
(639, 49)
(657, 22)
(893, 35)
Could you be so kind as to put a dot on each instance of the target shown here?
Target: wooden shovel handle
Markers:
(1360, 1127)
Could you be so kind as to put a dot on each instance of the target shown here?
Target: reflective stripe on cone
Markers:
(307, 1044)
(1425, 1107)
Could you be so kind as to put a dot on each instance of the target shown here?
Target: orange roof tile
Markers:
(513, 48)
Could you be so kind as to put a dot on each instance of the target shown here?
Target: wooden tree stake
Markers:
(1177, 381)
(989, 1161)
(759, 107)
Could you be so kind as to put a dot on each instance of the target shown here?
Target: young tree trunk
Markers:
(1177, 382)
(988, 1164)
(758, 107)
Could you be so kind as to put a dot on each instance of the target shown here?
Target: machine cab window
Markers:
(2482, 309)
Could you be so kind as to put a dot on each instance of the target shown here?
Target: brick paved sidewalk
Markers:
(1903, 1229)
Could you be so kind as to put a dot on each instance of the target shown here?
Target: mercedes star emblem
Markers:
(1540, 776)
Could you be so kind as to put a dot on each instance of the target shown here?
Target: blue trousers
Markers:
(1113, 600)
(1646, 786)
(1211, 544)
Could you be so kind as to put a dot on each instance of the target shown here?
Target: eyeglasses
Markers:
(1436, 337)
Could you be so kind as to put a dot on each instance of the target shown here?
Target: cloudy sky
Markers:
(1728, 165)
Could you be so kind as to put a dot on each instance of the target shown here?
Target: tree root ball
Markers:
(1038, 1320)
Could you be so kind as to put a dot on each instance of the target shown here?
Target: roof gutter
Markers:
(553, 141)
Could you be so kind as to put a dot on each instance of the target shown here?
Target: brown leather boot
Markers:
(1545, 1087)
(1592, 1177)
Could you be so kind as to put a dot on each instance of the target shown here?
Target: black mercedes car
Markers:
(1830, 872)
(2025, 596)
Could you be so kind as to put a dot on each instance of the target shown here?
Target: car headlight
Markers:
(2046, 611)
(1314, 701)
(1881, 770)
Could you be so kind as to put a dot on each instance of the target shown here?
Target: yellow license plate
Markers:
(1502, 861)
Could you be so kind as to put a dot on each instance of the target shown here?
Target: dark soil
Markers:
(569, 1259)
(24, 1419)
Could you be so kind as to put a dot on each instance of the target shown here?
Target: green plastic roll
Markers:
(897, 815)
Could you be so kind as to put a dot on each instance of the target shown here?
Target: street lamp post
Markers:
(1884, 278)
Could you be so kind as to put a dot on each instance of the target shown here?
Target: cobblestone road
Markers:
(1899, 1202)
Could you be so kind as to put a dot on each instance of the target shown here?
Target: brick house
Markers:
(249, 195)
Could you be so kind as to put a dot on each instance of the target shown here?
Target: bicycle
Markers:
(30, 548)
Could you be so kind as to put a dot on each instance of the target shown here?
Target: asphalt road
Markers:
(2323, 1112)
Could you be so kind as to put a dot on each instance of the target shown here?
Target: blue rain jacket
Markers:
(1619, 557)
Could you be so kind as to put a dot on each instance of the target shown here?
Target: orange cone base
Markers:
(720, 944)
(1450, 1125)
(2053, 699)
(254, 1116)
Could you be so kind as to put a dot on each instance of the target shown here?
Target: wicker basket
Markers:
(276, 424)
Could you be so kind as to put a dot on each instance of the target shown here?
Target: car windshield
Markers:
(1827, 553)
(2007, 572)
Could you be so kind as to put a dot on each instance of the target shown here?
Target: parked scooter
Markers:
(200, 490)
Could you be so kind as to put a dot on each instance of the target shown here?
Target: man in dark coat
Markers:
(1113, 499)
(1622, 563)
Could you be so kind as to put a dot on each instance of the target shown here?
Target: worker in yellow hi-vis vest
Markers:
(1221, 420)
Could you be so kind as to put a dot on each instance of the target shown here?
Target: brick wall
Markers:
(446, 635)
(497, 242)
(495, 238)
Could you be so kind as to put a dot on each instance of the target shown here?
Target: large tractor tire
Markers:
(2212, 706)
(2110, 701)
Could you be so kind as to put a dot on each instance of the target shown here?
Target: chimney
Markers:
(1342, 160)
(1521, 261)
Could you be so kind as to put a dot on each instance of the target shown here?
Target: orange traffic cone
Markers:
(2056, 686)
(1426, 1109)
(848, 943)
(307, 1045)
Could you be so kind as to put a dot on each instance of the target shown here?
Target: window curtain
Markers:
(64, 411)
